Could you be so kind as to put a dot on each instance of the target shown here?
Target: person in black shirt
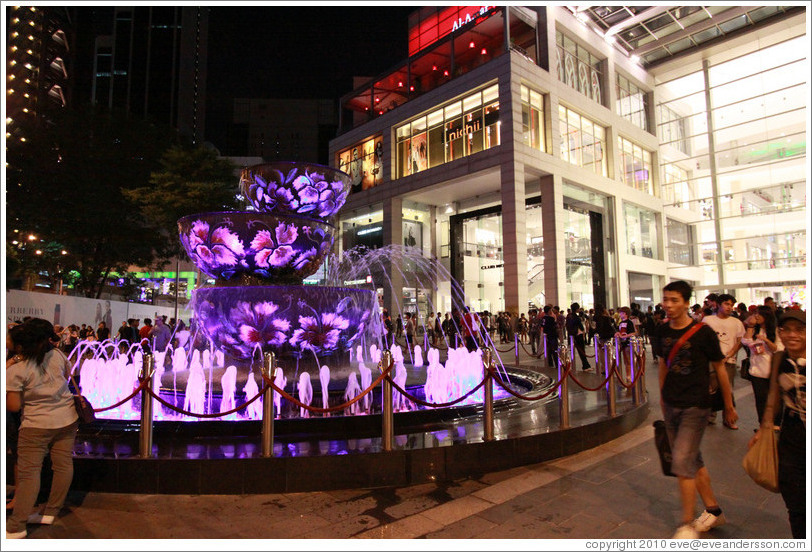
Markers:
(625, 330)
(576, 330)
(549, 327)
(685, 399)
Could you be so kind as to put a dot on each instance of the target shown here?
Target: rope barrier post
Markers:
(145, 433)
(516, 348)
(598, 355)
(269, 367)
(425, 340)
(563, 390)
(546, 358)
(572, 351)
(608, 349)
(387, 415)
(487, 362)
(632, 367)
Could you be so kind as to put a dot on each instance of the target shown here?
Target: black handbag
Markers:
(744, 371)
(663, 447)
(83, 407)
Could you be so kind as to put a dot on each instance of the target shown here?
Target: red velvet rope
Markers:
(436, 405)
(211, 415)
(504, 386)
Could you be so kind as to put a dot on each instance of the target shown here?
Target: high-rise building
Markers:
(549, 155)
(37, 64)
(153, 63)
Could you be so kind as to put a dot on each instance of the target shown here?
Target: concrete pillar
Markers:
(514, 237)
(393, 234)
(434, 253)
(552, 223)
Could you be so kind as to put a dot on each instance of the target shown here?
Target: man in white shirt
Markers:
(730, 331)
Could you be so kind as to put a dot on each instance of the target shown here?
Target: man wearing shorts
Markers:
(685, 400)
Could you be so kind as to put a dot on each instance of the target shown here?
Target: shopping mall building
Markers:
(547, 155)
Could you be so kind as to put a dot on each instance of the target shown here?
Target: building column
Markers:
(393, 235)
(552, 220)
(514, 237)
(434, 254)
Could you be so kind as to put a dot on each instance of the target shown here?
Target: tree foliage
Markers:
(190, 180)
(65, 186)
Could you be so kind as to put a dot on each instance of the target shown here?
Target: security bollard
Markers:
(487, 360)
(563, 389)
(608, 361)
(516, 348)
(387, 415)
(145, 434)
(269, 367)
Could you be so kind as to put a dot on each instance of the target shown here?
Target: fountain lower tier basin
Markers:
(292, 321)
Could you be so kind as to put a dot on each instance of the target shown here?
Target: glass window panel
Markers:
(491, 93)
(418, 125)
(453, 110)
(471, 102)
(435, 118)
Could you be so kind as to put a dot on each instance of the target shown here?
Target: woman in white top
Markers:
(38, 384)
(761, 341)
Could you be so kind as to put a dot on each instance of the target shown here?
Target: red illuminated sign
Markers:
(439, 24)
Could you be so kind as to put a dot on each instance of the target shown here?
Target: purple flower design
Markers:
(275, 252)
(215, 249)
(298, 191)
(258, 324)
(319, 334)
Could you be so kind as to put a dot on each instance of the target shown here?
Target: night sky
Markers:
(297, 52)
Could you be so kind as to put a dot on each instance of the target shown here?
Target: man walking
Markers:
(730, 332)
(549, 327)
(688, 351)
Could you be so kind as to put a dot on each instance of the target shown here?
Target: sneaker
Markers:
(686, 532)
(18, 535)
(588, 368)
(707, 521)
(41, 519)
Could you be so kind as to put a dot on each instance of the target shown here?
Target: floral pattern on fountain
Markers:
(266, 246)
(295, 188)
(243, 322)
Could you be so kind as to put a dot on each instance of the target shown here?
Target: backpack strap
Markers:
(685, 337)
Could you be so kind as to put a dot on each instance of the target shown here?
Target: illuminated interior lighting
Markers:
(433, 67)
(400, 84)
(411, 88)
(445, 73)
(471, 44)
(484, 51)
(38, 251)
(377, 100)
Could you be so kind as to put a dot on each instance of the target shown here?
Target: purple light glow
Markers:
(295, 188)
(285, 319)
(267, 246)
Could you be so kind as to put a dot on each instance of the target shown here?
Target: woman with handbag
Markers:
(761, 342)
(788, 389)
(38, 383)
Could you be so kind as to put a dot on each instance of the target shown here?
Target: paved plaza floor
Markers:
(613, 491)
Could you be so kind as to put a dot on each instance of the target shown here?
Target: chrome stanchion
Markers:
(516, 348)
(487, 360)
(572, 350)
(563, 390)
(145, 434)
(387, 415)
(269, 367)
(546, 358)
(608, 361)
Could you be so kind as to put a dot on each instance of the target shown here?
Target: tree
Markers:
(65, 186)
(190, 180)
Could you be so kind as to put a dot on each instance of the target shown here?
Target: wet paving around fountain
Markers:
(615, 490)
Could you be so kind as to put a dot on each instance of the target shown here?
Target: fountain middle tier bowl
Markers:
(315, 321)
(291, 187)
(238, 247)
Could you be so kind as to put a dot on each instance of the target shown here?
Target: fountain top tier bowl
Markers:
(248, 247)
(288, 187)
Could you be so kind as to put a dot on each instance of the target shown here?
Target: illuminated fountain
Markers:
(258, 304)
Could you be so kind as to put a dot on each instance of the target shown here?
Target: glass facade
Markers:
(632, 102)
(533, 119)
(458, 129)
(642, 232)
(740, 178)
(635, 166)
(577, 67)
(583, 142)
